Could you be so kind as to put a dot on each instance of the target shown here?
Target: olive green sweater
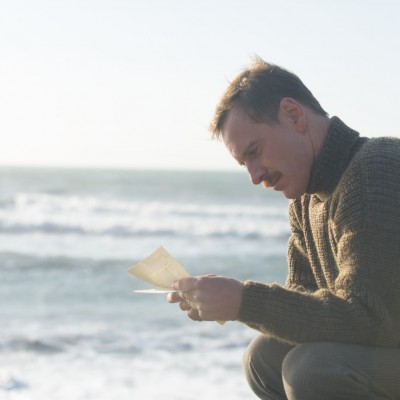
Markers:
(344, 250)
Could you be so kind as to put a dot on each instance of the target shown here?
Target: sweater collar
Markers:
(333, 159)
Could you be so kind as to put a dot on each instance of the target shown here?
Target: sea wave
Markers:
(44, 203)
(279, 231)
(106, 341)
(57, 215)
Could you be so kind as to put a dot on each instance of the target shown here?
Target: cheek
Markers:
(298, 176)
(301, 159)
(303, 179)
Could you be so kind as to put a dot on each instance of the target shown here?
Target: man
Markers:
(333, 330)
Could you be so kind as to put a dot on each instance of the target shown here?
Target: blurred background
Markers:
(129, 83)
(106, 156)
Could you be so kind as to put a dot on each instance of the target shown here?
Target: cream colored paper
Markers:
(159, 269)
(155, 291)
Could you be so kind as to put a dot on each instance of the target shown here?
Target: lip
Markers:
(267, 183)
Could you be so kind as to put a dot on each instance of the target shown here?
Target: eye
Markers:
(253, 152)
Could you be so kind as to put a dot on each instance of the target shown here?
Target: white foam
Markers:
(210, 368)
(53, 214)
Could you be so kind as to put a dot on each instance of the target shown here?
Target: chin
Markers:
(289, 196)
(293, 195)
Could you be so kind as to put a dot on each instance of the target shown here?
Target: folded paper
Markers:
(159, 269)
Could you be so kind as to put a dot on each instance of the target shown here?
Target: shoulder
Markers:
(376, 165)
(381, 152)
(370, 186)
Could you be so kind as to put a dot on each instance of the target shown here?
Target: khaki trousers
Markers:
(321, 371)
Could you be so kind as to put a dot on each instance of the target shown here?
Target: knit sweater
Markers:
(343, 283)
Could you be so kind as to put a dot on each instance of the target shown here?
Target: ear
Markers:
(295, 112)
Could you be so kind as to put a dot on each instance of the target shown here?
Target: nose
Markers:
(256, 173)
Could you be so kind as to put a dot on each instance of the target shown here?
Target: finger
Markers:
(174, 297)
(194, 314)
(184, 306)
(189, 296)
(186, 284)
(177, 297)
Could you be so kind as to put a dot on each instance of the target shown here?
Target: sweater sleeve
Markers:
(364, 305)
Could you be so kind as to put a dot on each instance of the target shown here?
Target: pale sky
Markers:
(127, 83)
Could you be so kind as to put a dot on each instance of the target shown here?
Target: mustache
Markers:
(268, 181)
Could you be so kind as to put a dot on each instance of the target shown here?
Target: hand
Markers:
(209, 297)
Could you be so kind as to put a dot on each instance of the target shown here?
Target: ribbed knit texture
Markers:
(344, 251)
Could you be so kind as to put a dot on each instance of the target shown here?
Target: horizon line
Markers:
(119, 168)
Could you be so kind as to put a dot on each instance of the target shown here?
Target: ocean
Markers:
(71, 326)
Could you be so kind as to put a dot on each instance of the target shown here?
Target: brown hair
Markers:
(258, 91)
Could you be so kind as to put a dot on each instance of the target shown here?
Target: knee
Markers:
(295, 366)
(262, 364)
(253, 352)
(253, 364)
(309, 371)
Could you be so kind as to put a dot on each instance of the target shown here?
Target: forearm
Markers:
(321, 316)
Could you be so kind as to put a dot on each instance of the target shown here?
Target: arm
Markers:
(364, 307)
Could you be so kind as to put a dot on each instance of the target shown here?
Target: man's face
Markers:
(278, 155)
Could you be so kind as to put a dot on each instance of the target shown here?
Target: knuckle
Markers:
(202, 283)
